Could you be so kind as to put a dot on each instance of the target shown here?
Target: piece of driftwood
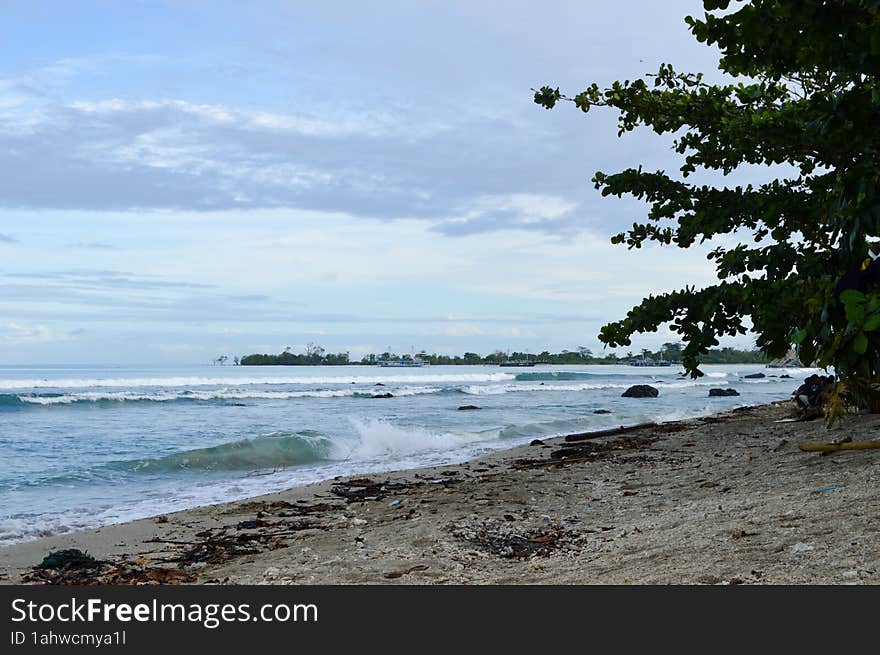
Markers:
(831, 447)
(583, 436)
(664, 428)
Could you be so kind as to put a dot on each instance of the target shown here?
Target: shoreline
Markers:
(726, 498)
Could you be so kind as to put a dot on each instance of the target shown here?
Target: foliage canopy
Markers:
(809, 98)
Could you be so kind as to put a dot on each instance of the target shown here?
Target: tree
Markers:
(314, 352)
(807, 97)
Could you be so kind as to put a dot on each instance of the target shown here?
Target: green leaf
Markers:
(860, 343)
(871, 323)
(851, 296)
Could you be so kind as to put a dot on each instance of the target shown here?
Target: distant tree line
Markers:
(313, 356)
(671, 352)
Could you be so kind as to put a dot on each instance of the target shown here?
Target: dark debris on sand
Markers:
(365, 489)
(503, 541)
(583, 451)
(75, 567)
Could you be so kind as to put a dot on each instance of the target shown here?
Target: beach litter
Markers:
(361, 489)
(69, 559)
(576, 452)
(834, 487)
(502, 540)
(399, 574)
(217, 546)
(75, 567)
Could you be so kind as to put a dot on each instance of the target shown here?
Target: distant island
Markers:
(670, 352)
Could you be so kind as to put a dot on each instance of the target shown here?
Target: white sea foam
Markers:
(189, 382)
(379, 438)
(499, 389)
(218, 394)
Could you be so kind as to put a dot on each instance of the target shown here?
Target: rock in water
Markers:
(723, 392)
(383, 395)
(601, 411)
(754, 376)
(465, 407)
(640, 391)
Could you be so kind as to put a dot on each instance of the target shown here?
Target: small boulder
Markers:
(467, 407)
(383, 395)
(754, 376)
(640, 391)
(601, 411)
(723, 392)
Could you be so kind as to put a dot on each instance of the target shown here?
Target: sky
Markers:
(184, 179)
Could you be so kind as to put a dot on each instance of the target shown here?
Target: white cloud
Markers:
(462, 330)
(24, 333)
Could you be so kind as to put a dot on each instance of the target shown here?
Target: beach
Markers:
(722, 499)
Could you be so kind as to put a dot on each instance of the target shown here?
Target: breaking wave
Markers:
(111, 397)
(189, 382)
(372, 439)
(263, 452)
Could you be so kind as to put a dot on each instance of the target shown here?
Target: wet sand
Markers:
(726, 499)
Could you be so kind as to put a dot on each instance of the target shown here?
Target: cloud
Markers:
(92, 245)
(462, 330)
(22, 333)
(171, 154)
(518, 211)
(107, 279)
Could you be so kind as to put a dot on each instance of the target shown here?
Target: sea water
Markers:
(85, 446)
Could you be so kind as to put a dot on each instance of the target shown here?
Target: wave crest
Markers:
(263, 452)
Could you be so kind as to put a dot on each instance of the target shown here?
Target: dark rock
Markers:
(465, 407)
(785, 377)
(378, 384)
(536, 442)
(723, 392)
(601, 411)
(754, 376)
(383, 395)
(640, 391)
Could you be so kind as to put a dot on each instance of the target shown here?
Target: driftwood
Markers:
(831, 447)
(664, 428)
(583, 436)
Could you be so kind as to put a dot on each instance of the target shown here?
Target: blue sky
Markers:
(188, 179)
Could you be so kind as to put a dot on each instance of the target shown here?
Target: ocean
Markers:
(86, 446)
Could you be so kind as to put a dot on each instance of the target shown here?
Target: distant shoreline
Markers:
(670, 354)
(464, 363)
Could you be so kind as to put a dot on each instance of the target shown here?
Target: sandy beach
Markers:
(725, 499)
